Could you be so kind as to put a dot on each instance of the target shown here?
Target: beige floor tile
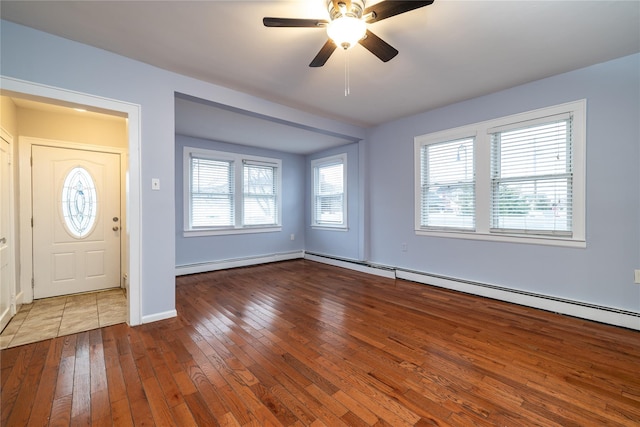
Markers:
(112, 318)
(58, 316)
(112, 307)
(78, 317)
(35, 336)
(79, 325)
(81, 300)
(33, 327)
(15, 323)
(79, 310)
(5, 340)
(44, 313)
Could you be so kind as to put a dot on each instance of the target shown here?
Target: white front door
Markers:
(76, 220)
(6, 284)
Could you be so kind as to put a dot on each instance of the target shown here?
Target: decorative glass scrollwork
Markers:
(79, 202)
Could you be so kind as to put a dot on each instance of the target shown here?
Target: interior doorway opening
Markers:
(54, 98)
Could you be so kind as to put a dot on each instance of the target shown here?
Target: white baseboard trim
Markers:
(352, 265)
(20, 299)
(204, 267)
(601, 314)
(159, 316)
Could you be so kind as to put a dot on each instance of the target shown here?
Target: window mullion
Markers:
(483, 182)
(238, 197)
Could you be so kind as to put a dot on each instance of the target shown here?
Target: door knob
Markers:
(116, 228)
(115, 219)
(3, 240)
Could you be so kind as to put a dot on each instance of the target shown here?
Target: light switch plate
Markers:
(155, 184)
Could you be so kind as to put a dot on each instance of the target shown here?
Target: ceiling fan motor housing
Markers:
(355, 10)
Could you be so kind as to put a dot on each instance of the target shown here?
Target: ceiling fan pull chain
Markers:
(347, 88)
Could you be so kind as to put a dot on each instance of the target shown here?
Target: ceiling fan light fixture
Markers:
(346, 31)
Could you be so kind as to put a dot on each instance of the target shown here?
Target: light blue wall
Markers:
(193, 250)
(335, 242)
(600, 274)
(41, 58)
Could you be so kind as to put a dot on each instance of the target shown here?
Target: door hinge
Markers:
(31, 161)
(33, 284)
(31, 222)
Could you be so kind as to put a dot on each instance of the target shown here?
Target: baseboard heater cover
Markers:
(609, 315)
(361, 266)
(597, 313)
(203, 267)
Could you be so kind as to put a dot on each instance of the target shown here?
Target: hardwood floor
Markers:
(299, 343)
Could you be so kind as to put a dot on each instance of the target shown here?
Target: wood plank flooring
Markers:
(299, 343)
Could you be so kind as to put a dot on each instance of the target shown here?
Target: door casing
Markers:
(10, 235)
(22, 88)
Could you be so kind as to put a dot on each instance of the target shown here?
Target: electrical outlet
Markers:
(293, 237)
(637, 276)
(405, 248)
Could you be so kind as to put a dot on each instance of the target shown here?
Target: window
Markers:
(329, 192)
(212, 191)
(447, 185)
(259, 196)
(229, 193)
(519, 178)
(531, 177)
(79, 202)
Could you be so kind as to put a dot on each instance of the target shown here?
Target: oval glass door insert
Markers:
(79, 204)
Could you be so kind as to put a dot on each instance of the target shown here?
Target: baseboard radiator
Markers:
(593, 312)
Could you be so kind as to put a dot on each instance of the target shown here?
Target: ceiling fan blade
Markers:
(378, 47)
(387, 9)
(294, 22)
(324, 54)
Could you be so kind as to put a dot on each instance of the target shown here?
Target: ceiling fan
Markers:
(348, 26)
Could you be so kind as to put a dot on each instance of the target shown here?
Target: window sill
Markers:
(229, 231)
(512, 238)
(329, 227)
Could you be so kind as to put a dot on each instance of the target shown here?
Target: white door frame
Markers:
(16, 297)
(26, 144)
(18, 88)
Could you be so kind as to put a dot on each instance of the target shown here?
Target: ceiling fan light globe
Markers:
(345, 31)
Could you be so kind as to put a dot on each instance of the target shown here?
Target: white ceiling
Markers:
(449, 51)
(60, 108)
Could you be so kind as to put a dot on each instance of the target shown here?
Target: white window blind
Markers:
(447, 185)
(259, 194)
(212, 193)
(329, 194)
(532, 177)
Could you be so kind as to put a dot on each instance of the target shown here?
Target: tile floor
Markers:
(64, 315)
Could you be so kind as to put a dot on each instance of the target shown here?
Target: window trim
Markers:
(238, 171)
(329, 161)
(482, 153)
